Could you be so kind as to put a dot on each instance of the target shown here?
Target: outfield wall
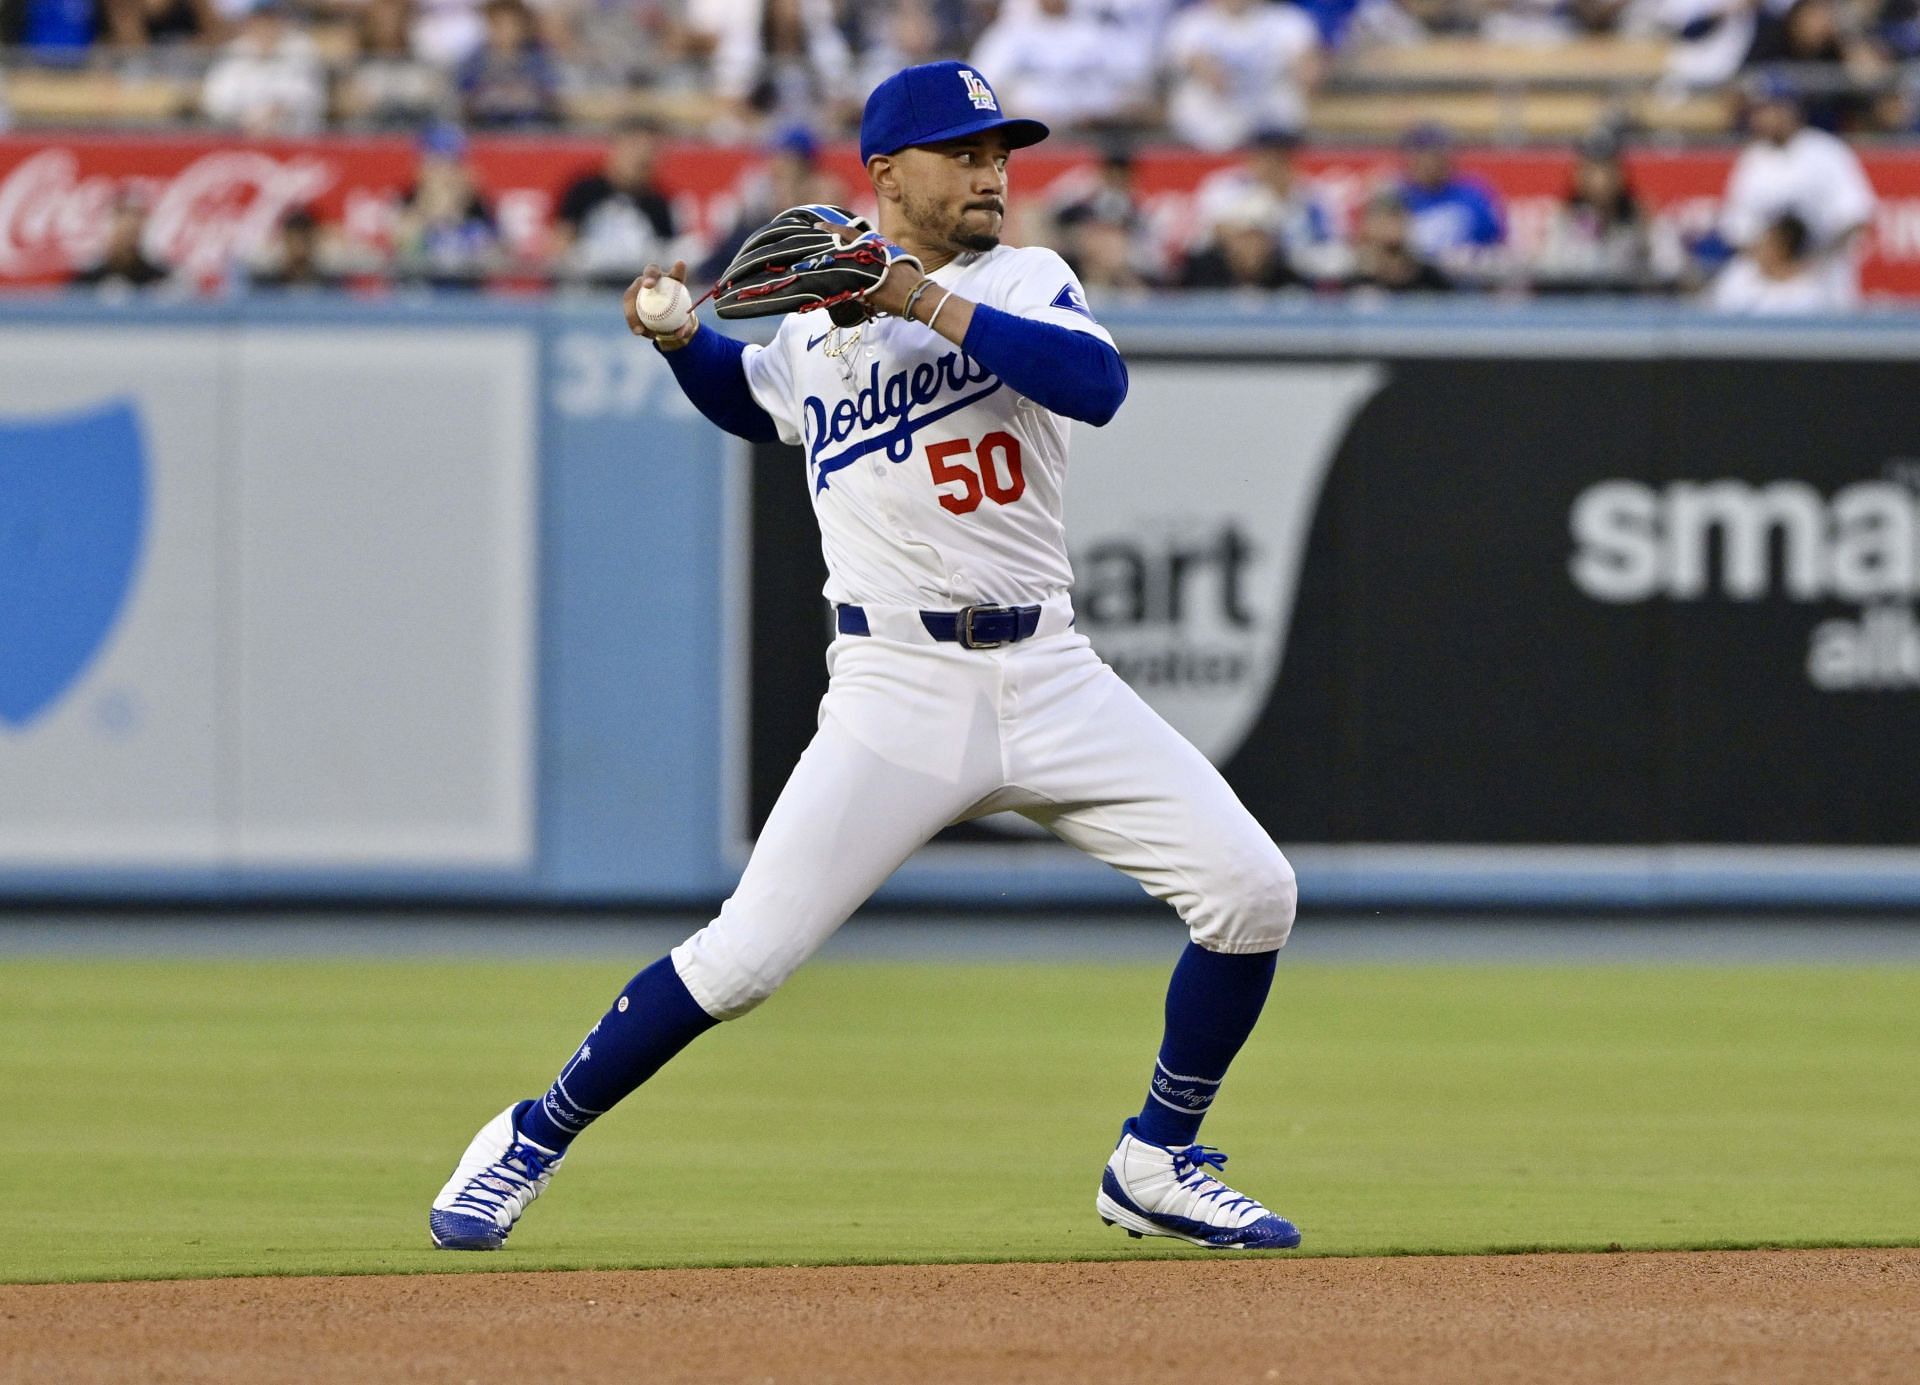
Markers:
(459, 601)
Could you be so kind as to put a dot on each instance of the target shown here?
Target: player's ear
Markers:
(884, 177)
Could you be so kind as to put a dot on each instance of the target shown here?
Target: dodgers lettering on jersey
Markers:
(885, 413)
(935, 485)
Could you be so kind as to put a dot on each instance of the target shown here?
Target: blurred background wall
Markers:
(1516, 496)
(459, 600)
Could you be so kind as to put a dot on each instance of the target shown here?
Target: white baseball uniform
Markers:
(937, 488)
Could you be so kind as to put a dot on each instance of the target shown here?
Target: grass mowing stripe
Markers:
(241, 1117)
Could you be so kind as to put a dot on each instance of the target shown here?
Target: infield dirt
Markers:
(1773, 1316)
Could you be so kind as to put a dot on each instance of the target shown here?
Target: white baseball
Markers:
(665, 307)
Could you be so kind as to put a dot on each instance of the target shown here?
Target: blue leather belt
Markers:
(976, 627)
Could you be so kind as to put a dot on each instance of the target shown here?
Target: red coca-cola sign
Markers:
(204, 210)
(214, 201)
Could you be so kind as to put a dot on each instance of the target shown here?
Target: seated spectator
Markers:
(510, 81)
(609, 223)
(1102, 192)
(710, 23)
(1386, 258)
(1896, 28)
(446, 236)
(268, 80)
(1100, 227)
(1456, 219)
(1049, 63)
(896, 36)
(1777, 275)
(1133, 38)
(123, 266)
(1809, 34)
(1305, 225)
(781, 62)
(629, 40)
(1238, 66)
(137, 23)
(387, 86)
(1600, 238)
(54, 32)
(560, 25)
(448, 32)
(1107, 256)
(791, 177)
(1242, 249)
(294, 258)
(1364, 21)
(1790, 167)
(1710, 40)
(1610, 16)
(297, 260)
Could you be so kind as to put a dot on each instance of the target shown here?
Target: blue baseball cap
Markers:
(797, 140)
(1773, 86)
(445, 139)
(936, 101)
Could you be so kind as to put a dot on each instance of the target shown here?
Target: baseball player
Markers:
(933, 399)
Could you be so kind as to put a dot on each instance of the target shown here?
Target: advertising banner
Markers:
(266, 598)
(1499, 602)
(215, 200)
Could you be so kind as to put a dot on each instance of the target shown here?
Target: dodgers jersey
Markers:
(935, 485)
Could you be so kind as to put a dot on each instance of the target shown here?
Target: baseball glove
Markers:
(803, 259)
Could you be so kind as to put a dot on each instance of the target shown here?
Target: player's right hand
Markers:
(650, 276)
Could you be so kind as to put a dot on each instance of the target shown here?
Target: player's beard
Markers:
(977, 241)
(931, 223)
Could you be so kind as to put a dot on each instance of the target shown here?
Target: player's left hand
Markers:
(799, 262)
(897, 278)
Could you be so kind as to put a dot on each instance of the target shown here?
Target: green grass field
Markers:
(186, 1118)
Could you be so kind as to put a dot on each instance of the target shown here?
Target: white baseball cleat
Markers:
(495, 1180)
(1153, 1190)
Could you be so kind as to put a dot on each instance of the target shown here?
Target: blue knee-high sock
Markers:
(1212, 1003)
(653, 1019)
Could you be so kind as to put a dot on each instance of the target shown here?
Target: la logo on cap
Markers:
(977, 91)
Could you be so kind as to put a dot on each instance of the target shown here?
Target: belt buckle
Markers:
(967, 614)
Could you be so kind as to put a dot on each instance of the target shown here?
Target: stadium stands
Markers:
(1510, 75)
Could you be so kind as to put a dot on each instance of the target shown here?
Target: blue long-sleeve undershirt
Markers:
(713, 376)
(1072, 373)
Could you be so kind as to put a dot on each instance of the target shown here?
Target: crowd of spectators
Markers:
(1796, 204)
(1207, 72)
(1234, 77)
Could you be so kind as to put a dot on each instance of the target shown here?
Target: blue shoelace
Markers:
(488, 1199)
(1190, 1167)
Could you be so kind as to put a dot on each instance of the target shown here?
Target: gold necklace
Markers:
(840, 348)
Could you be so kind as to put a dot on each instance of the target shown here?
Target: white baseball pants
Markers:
(915, 735)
